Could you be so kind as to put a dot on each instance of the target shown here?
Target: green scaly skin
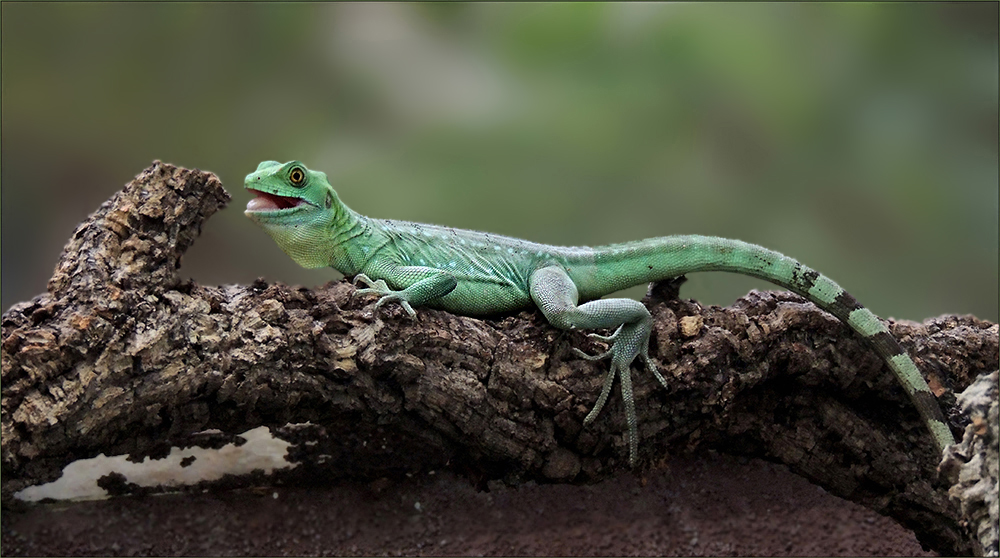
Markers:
(477, 273)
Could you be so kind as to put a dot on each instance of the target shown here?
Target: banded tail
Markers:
(623, 265)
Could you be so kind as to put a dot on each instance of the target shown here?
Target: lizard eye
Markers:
(297, 176)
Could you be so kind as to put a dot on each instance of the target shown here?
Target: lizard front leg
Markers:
(556, 295)
(425, 285)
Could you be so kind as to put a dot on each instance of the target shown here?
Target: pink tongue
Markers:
(271, 202)
(261, 203)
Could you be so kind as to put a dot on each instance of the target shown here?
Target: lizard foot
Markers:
(380, 288)
(628, 342)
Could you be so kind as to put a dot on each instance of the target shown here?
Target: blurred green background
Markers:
(858, 138)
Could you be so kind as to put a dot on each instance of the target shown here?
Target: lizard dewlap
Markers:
(476, 273)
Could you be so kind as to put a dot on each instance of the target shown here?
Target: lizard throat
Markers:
(272, 202)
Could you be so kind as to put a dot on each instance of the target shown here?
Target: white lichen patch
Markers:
(79, 479)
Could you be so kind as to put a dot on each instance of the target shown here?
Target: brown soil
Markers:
(705, 505)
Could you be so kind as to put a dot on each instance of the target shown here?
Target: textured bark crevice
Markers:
(123, 357)
(971, 466)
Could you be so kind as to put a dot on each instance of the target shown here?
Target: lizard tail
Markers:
(661, 258)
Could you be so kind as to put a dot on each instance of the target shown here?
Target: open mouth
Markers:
(272, 202)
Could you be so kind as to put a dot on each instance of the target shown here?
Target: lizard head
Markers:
(297, 207)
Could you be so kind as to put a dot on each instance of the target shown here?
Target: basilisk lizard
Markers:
(478, 273)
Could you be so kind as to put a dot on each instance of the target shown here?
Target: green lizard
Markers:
(477, 273)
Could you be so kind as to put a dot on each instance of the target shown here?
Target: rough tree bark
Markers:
(121, 356)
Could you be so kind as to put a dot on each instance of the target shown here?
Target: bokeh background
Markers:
(858, 138)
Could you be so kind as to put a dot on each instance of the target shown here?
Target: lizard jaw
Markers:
(265, 202)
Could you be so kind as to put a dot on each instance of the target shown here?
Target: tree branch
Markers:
(122, 357)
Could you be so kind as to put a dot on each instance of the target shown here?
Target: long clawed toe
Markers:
(402, 302)
(651, 366)
(607, 339)
(359, 278)
(602, 356)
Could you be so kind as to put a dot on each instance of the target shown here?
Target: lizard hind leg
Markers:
(556, 295)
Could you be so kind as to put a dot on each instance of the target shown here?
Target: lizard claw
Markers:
(601, 356)
(374, 287)
(606, 338)
(402, 302)
(361, 277)
(644, 355)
